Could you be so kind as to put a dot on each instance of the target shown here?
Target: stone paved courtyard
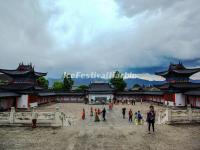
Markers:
(114, 134)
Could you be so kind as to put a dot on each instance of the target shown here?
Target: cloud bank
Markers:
(98, 35)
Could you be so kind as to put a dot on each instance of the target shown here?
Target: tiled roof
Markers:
(17, 87)
(99, 87)
(8, 94)
(178, 69)
(176, 66)
(129, 93)
(20, 87)
(181, 85)
(5, 78)
(153, 93)
(23, 72)
(61, 93)
(185, 71)
(46, 94)
(140, 93)
(193, 93)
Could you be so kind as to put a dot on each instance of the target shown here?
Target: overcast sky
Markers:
(99, 35)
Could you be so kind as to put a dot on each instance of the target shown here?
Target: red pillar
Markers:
(16, 102)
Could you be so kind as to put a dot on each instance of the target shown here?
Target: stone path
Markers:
(113, 117)
(114, 134)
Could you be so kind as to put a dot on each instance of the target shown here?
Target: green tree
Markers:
(81, 88)
(68, 82)
(57, 85)
(43, 82)
(118, 82)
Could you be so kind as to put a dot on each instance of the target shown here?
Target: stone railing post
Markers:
(12, 115)
(160, 117)
(58, 121)
(33, 109)
(189, 113)
(33, 113)
(169, 115)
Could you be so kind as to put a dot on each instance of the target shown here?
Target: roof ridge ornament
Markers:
(178, 73)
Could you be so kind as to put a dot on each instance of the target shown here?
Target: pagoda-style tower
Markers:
(24, 78)
(178, 82)
(177, 73)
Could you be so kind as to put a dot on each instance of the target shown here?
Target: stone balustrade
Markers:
(171, 116)
(12, 118)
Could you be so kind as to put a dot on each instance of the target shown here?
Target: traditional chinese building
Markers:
(23, 91)
(193, 97)
(177, 91)
(178, 73)
(22, 86)
(178, 83)
(99, 92)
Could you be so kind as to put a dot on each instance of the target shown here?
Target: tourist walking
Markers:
(139, 117)
(124, 112)
(91, 111)
(110, 106)
(130, 114)
(104, 114)
(98, 111)
(136, 118)
(34, 119)
(83, 114)
(96, 116)
(151, 118)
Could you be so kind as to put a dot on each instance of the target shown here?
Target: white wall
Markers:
(179, 99)
(22, 101)
(92, 96)
(69, 99)
(35, 104)
(198, 103)
(170, 103)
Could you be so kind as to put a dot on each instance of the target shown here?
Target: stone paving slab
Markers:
(114, 134)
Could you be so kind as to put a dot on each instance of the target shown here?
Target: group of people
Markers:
(138, 118)
(96, 112)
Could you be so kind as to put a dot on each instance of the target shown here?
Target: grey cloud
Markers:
(23, 33)
(173, 31)
(167, 29)
(133, 7)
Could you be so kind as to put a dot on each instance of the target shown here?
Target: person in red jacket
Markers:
(130, 114)
(98, 111)
(96, 116)
(83, 114)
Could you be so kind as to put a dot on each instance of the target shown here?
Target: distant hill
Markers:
(195, 81)
(87, 81)
(130, 82)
